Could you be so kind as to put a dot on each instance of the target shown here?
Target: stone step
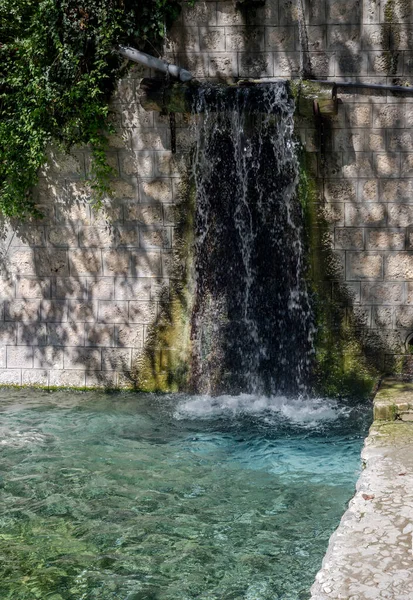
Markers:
(394, 401)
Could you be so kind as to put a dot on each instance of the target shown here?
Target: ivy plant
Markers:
(58, 69)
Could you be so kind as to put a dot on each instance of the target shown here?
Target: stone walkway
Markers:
(370, 556)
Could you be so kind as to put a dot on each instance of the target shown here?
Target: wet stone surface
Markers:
(371, 553)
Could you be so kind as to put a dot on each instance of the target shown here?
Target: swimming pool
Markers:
(133, 497)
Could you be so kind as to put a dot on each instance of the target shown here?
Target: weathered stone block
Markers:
(48, 358)
(66, 334)
(28, 235)
(400, 215)
(322, 64)
(137, 164)
(346, 292)
(99, 335)
(146, 263)
(282, 39)
(67, 287)
(113, 312)
(220, 65)
(170, 165)
(85, 262)
(228, 14)
(22, 310)
(205, 13)
(389, 115)
(135, 117)
(51, 262)
(21, 262)
(116, 359)
(108, 214)
(363, 265)
(359, 316)
(357, 164)
(368, 215)
(385, 63)
(8, 333)
(340, 191)
(375, 140)
(79, 210)
(7, 288)
(67, 378)
(19, 357)
(63, 236)
(125, 91)
(133, 289)
(383, 317)
(128, 236)
(348, 238)
(3, 361)
(101, 237)
(102, 379)
(409, 298)
(371, 11)
(285, 64)
(33, 377)
(342, 38)
(155, 238)
(82, 359)
(129, 336)
(406, 165)
(347, 140)
(399, 266)
(404, 317)
(375, 37)
(368, 190)
(396, 191)
(101, 288)
(33, 288)
(148, 214)
(400, 141)
(385, 239)
(31, 334)
(53, 311)
(149, 140)
(142, 312)
(244, 39)
(10, 377)
(343, 12)
(261, 64)
(116, 262)
(83, 311)
(186, 38)
(351, 64)
(387, 165)
(382, 293)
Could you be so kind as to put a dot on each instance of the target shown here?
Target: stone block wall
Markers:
(80, 290)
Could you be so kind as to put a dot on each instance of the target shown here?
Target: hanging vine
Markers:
(58, 69)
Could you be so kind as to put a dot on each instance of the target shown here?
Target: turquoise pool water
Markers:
(143, 497)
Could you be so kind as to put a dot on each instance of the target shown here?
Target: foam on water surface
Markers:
(305, 412)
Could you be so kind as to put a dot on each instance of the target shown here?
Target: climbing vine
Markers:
(58, 69)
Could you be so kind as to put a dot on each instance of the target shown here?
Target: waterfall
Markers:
(252, 324)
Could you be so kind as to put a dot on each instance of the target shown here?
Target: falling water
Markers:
(252, 324)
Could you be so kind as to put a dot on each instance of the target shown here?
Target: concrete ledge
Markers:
(394, 401)
(370, 555)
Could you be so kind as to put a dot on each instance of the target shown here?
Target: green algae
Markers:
(340, 366)
(164, 364)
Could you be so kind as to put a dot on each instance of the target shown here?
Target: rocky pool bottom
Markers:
(144, 497)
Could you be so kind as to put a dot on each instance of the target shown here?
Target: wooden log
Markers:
(312, 98)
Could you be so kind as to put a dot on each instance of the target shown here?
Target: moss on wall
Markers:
(164, 363)
(340, 367)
